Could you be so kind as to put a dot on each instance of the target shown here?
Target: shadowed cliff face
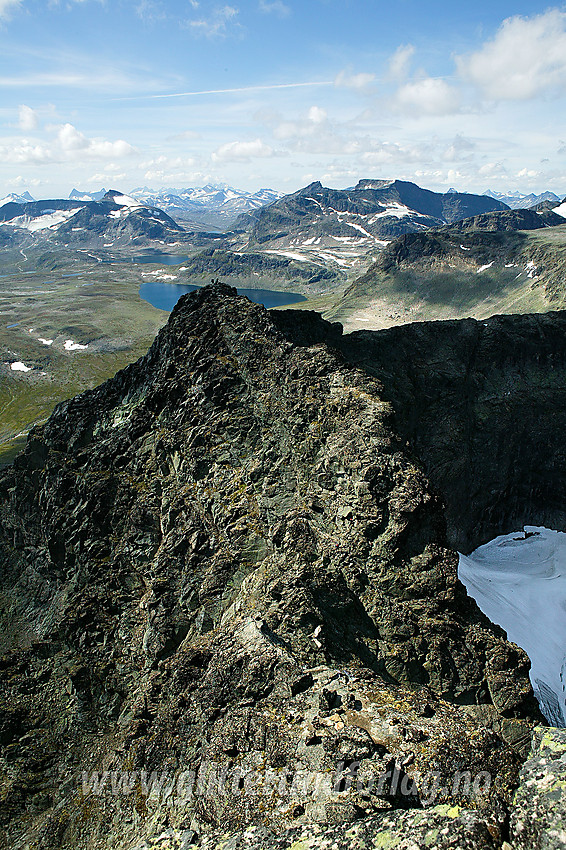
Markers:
(227, 554)
(483, 407)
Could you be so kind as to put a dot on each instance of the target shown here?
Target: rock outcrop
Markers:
(227, 565)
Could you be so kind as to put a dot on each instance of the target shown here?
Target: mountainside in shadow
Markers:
(229, 558)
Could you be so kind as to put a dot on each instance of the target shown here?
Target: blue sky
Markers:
(277, 93)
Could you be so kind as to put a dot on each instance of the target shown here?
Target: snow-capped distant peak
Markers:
(12, 198)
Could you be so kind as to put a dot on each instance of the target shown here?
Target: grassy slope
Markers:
(99, 306)
(428, 289)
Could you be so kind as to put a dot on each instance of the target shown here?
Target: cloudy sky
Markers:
(278, 93)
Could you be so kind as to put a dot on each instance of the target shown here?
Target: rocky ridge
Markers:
(229, 555)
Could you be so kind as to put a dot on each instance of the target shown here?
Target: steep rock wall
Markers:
(483, 407)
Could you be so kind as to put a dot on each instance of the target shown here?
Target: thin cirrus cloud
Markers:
(219, 23)
(349, 80)
(526, 58)
(241, 89)
(276, 7)
(7, 7)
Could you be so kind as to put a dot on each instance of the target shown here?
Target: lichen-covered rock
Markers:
(538, 819)
(226, 559)
(440, 828)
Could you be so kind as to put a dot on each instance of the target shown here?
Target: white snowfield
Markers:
(42, 222)
(521, 585)
(561, 210)
(18, 366)
(126, 201)
(74, 346)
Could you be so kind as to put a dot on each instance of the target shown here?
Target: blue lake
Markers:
(164, 296)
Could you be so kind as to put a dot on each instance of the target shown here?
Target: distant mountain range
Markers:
(12, 198)
(519, 201)
(114, 220)
(341, 230)
(209, 206)
(201, 207)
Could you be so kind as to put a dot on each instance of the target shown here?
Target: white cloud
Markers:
(27, 118)
(7, 6)
(427, 96)
(349, 80)
(492, 170)
(20, 182)
(526, 57)
(68, 144)
(72, 141)
(276, 7)
(400, 62)
(102, 178)
(217, 24)
(242, 151)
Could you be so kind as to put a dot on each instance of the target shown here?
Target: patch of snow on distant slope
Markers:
(18, 366)
(74, 346)
(395, 210)
(360, 228)
(126, 201)
(484, 268)
(42, 222)
(291, 254)
(521, 585)
(561, 210)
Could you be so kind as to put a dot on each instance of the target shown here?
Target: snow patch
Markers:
(520, 583)
(561, 210)
(484, 268)
(395, 210)
(74, 346)
(18, 366)
(291, 254)
(531, 269)
(45, 341)
(360, 228)
(42, 222)
(126, 201)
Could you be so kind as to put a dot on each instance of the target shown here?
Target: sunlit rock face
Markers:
(519, 581)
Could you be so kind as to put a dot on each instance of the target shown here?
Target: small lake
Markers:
(164, 296)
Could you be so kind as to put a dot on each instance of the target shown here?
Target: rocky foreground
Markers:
(230, 614)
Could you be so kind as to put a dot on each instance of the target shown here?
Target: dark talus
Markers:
(228, 555)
